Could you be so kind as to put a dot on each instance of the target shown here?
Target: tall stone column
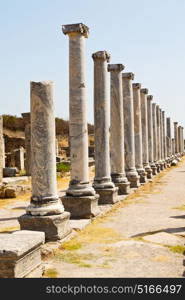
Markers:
(102, 181)
(162, 141)
(27, 132)
(160, 164)
(1, 149)
(45, 212)
(4, 155)
(80, 199)
(179, 139)
(117, 130)
(183, 140)
(144, 119)
(150, 135)
(164, 136)
(128, 110)
(173, 147)
(138, 133)
(169, 141)
(155, 137)
(176, 137)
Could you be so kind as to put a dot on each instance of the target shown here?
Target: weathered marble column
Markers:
(117, 130)
(180, 140)
(155, 136)
(150, 135)
(169, 141)
(162, 141)
(45, 212)
(182, 136)
(160, 164)
(176, 137)
(1, 149)
(4, 155)
(128, 111)
(164, 136)
(144, 119)
(102, 181)
(138, 133)
(27, 132)
(80, 199)
(173, 147)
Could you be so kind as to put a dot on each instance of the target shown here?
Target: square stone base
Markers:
(134, 181)
(107, 196)
(123, 188)
(154, 170)
(81, 207)
(56, 227)
(20, 255)
(143, 179)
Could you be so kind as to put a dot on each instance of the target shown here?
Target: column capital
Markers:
(78, 28)
(144, 91)
(128, 75)
(115, 67)
(175, 123)
(103, 55)
(163, 112)
(136, 85)
(150, 97)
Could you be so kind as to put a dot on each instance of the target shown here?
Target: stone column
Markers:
(176, 138)
(4, 155)
(144, 119)
(164, 136)
(1, 149)
(80, 199)
(162, 141)
(102, 181)
(27, 131)
(155, 136)
(169, 141)
(150, 135)
(173, 147)
(160, 164)
(19, 158)
(117, 130)
(45, 212)
(138, 133)
(128, 110)
(179, 139)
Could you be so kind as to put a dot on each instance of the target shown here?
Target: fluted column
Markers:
(117, 130)
(144, 118)
(45, 208)
(138, 133)
(150, 135)
(128, 110)
(102, 181)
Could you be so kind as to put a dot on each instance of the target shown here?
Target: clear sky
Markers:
(147, 36)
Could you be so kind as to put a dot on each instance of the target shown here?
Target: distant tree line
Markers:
(62, 126)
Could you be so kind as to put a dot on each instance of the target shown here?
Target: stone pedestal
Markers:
(79, 185)
(144, 121)
(102, 180)
(128, 110)
(117, 130)
(20, 255)
(45, 211)
(150, 135)
(138, 133)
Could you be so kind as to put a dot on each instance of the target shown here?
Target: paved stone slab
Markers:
(165, 239)
(79, 224)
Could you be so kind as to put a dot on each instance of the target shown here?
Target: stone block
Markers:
(11, 192)
(107, 195)
(20, 254)
(81, 207)
(55, 227)
(123, 188)
(134, 181)
(9, 172)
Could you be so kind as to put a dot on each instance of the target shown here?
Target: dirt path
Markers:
(143, 236)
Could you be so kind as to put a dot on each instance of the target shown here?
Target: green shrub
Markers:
(63, 167)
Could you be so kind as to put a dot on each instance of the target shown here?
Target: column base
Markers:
(158, 167)
(162, 166)
(149, 172)
(81, 207)
(107, 196)
(154, 169)
(143, 175)
(55, 227)
(134, 179)
(123, 188)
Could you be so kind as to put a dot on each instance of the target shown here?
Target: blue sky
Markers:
(147, 36)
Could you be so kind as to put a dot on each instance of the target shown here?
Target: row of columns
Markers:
(130, 141)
